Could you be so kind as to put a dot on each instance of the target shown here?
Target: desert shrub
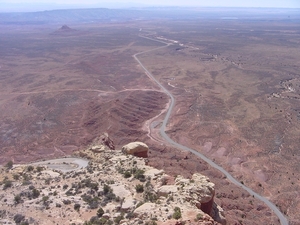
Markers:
(151, 222)
(110, 196)
(17, 199)
(35, 193)
(106, 189)
(45, 199)
(69, 192)
(65, 186)
(16, 176)
(177, 213)
(48, 180)
(118, 219)
(2, 213)
(26, 182)
(139, 188)
(127, 174)
(30, 168)
(18, 218)
(98, 221)
(77, 206)
(150, 196)
(94, 204)
(24, 223)
(26, 177)
(109, 222)
(170, 198)
(199, 216)
(139, 174)
(7, 184)
(92, 201)
(39, 169)
(100, 212)
(88, 183)
(66, 201)
(9, 165)
(94, 220)
(130, 215)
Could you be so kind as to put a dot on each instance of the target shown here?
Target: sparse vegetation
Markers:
(30, 168)
(177, 213)
(139, 188)
(18, 218)
(9, 165)
(17, 199)
(118, 219)
(199, 216)
(16, 176)
(7, 184)
(151, 222)
(77, 206)
(100, 212)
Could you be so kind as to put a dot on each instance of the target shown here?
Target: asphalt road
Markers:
(279, 214)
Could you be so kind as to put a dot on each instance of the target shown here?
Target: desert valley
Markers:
(84, 83)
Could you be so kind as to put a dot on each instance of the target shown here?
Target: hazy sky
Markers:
(122, 3)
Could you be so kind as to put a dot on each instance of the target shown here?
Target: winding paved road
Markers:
(280, 215)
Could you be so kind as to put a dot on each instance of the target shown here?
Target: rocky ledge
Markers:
(115, 188)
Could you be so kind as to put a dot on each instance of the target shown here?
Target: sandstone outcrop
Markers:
(199, 191)
(138, 149)
(114, 187)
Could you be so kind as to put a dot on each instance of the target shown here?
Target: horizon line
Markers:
(94, 6)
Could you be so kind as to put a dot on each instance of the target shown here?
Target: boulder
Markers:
(144, 210)
(165, 190)
(138, 149)
(97, 148)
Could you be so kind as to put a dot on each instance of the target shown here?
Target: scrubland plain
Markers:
(235, 82)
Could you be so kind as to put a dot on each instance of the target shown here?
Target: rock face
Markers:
(105, 140)
(199, 191)
(138, 149)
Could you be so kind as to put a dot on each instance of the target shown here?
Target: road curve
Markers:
(64, 164)
(279, 214)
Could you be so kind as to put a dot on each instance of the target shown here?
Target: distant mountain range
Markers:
(23, 7)
(66, 16)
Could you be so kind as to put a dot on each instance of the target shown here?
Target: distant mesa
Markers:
(65, 30)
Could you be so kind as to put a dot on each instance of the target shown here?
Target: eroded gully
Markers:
(278, 213)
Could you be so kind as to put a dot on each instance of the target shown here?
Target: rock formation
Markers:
(199, 191)
(113, 188)
(64, 30)
(138, 149)
(105, 140)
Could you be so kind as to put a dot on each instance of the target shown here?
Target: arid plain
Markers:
(235, 82)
